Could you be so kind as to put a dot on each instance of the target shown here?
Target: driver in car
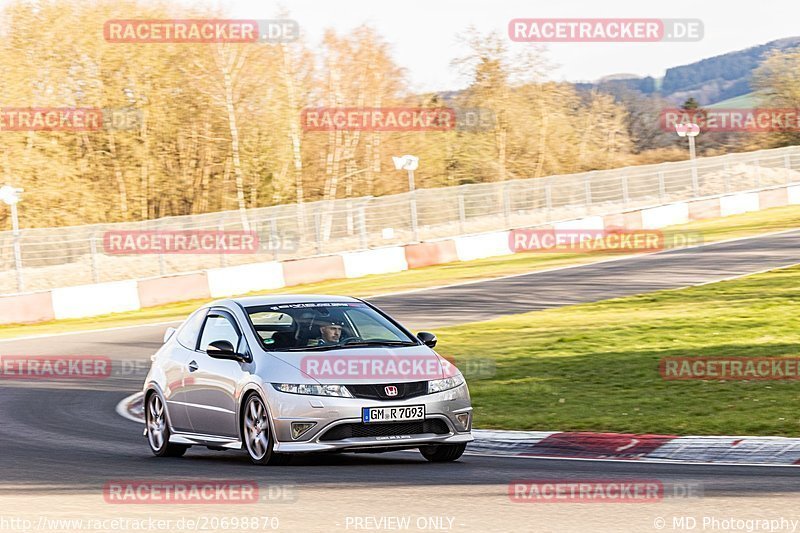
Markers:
(330, 333)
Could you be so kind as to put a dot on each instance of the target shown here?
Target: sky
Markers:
(424, 33)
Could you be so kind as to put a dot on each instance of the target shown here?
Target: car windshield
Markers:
(324, 326)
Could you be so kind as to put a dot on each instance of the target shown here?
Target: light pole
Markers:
(691, 131)
(410, 163)
(10, 196)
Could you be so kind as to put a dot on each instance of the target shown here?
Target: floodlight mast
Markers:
(691, 131)
(10, 196)
(410, 163)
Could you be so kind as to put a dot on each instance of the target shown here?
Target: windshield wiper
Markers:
(321, 348)
(378, 343)
(326, 347)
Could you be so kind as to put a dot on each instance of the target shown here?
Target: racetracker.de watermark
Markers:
(82, 119)
(596, 240)
(730, 368)
(605, 30)
(357, 367)
(43, 367)
(731, 120)
(196, 31)
(599, 491)
(57, 367)
(378, 119)
(133, 242)
(209, 491)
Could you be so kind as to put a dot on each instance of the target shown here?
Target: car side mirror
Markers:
(222, 350)
(169, 333)
(428, 339)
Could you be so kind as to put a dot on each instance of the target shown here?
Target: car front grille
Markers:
(378, 392)
(347, 431)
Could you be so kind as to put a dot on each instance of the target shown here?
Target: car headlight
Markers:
(439, 385)
(314, 390)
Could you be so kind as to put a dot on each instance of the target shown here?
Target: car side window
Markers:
(218, 328)
(189, 331)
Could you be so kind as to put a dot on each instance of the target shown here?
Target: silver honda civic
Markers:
(287, 374)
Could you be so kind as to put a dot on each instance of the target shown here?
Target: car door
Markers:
(211, 389)
(176, 369)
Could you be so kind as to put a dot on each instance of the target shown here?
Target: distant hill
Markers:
(710, 80)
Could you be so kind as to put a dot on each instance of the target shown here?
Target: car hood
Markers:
(358, 365)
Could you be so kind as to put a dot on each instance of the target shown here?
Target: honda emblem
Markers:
(391, 390)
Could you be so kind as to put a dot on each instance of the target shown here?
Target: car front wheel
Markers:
(257, 436)
(442, 453)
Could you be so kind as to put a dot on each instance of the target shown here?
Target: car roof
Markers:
(272, 299)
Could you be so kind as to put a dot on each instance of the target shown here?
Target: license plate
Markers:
(370, 415)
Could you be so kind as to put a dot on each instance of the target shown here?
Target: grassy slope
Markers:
(595, 366)
(744, 101)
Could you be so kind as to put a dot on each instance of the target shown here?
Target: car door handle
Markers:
(192, 366)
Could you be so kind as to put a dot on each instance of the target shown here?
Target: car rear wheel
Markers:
(442, 453)
(158, 430)
(257, 436)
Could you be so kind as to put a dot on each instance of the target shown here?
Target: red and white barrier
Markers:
(168, 289)
(95, 299)
(736, 204)
(482, 245)
(121, 296)
(241, 279)
(586, 223)
(313, 269)
(377, 261)
(431, 253)
(665, 215)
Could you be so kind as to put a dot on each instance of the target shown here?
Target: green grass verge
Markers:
(595, 366)
(459, 272)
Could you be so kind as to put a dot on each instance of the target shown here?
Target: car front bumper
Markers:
(329, 413)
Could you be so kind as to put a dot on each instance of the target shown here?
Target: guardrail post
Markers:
(220, 228)
(161, 265)
(362, 227)
(506, 203)
(462, 212)
(17, 247)
(758, 173)
(548, 197)
(726, 177)
(93, 257)
(350, 214)
(274, 240)
(587, 185)
(318, 232)
(625, 197)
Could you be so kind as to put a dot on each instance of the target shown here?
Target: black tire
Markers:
(155, 416)
(443, 453)
(257, 435)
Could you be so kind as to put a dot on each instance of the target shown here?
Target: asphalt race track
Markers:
(60, 442)
(593, 282)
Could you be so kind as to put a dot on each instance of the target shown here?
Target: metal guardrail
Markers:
(57, 257)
